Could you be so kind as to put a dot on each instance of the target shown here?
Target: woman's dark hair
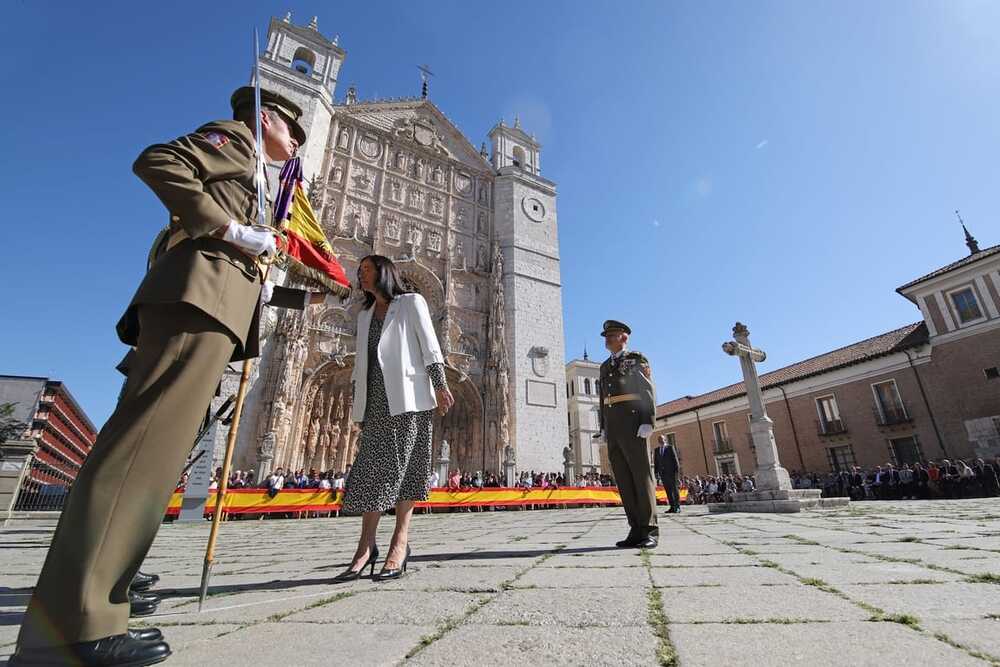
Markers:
(389, 280)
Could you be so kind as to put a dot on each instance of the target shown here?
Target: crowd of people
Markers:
(944, 478)
(715, 488)
(934, 479)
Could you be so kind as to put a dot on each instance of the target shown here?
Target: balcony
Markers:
(722, 446)
(831, 427)
(891, 415)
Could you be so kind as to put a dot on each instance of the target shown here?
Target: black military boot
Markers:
(115, 651)
(143, 582)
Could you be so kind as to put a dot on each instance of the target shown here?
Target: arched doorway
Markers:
(326, 438)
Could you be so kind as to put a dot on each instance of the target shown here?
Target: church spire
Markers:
(970, 241)
(585, 357)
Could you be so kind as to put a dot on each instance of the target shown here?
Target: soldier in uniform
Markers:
(196, 310)
(628, 406)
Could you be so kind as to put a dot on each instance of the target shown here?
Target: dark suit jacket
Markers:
(665, 462)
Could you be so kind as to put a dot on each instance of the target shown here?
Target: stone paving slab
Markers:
(526, 645)
(720, 576)
(386, 607)
(580, 607)
(307, 644)
(939, 601)
(584, 577)
(550, 586)
(981, 635)
(812, 644)
(759, 603)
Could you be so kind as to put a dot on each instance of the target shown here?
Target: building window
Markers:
(889, 408)
(905, 450)
(586, 386)
(840, 458)
(518, 158)
(966, 305)
(304, 61)
(567, 390)
(992, 373)
(721, 435)
(829, 416)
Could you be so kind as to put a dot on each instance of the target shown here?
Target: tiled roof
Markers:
(912, 335)
(954, 265)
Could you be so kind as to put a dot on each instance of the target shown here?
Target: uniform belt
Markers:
(181, 235)
(620, 398)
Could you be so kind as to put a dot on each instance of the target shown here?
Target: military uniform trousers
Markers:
(119, 498)
(630, 463)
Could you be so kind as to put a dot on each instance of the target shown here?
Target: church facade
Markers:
(475, 232)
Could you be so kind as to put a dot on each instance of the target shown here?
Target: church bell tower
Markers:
(525, 214)
(303, 65)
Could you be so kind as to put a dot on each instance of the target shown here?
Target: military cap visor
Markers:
(288, 110)
(614, 326)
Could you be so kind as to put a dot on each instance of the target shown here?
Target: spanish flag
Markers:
(309, 253)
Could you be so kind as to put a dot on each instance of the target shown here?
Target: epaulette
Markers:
(639, 356)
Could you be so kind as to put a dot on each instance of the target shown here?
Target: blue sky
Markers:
(786, 164)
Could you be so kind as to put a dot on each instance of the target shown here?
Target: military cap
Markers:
(288, 110)
(614, 326)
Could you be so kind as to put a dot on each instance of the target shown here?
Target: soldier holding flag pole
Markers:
(197, 309)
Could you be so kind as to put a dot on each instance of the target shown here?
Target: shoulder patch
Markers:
(217, 139)
(638, 356)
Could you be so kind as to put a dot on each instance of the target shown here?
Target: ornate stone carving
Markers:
(437, 176)
(369, 146)
(344, 139)
(434, 242)
(482, 223)
(437, 206)
(415, 235)
(415, 197)
(392, 228)
(364, 180)
(463, 183)
(396, 191)
(421, 132)
(498, 363)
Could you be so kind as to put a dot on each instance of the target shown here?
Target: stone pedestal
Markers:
(15, 459)
(781, 501)
(442, 470)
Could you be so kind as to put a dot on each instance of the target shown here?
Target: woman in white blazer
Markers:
(398, 381)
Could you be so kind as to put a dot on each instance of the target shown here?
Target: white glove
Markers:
(645, 431)
(266, 292)
(256, 242)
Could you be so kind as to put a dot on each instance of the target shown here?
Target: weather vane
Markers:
(425, 72)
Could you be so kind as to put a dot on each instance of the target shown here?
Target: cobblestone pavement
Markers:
(875, 583)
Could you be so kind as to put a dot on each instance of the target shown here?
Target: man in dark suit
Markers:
(668, 471)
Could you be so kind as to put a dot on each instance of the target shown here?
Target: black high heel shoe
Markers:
(388, 574)
(354, 575)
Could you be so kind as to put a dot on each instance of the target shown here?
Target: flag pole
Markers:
(220, 494)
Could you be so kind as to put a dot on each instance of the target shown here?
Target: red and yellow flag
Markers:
(309, 252)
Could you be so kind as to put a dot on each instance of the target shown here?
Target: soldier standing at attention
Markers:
(196, 310)
(628, 404)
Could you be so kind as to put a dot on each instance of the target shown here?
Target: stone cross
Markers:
(769, 475)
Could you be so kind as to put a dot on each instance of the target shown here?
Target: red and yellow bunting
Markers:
(257, 501)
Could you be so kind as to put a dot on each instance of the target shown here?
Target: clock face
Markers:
(533, 208)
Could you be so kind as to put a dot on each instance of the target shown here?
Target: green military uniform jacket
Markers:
(629, 374)
(205, 180)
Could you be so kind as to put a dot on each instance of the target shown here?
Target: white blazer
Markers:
(407, 346)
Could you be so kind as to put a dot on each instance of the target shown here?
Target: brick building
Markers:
(928, 390)
(55, 421)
